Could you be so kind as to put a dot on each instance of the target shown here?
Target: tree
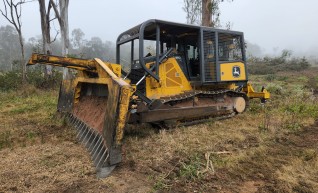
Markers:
(12, 13)
(95, 48)
(211, 13)
(46, 31)
(46, 26)
(62, 17)
(193, 9)
(78, 42)
(204, 12)
(9, 47)
(77, 38)
(253, 50)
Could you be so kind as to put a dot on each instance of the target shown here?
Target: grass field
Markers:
(271, 148)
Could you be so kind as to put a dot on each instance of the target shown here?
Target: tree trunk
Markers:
(62, 16)
(46, 37)
(10, 57)
(64, 26)
(43, 25)
(206, 13)
(15, 19)
(64, 33)
(22, 57)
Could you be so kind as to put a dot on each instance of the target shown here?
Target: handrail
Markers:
(141, 48)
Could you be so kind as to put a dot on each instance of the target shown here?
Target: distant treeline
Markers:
(10, 53)
(96, 48)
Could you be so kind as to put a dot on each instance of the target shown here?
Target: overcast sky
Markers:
(272, 24)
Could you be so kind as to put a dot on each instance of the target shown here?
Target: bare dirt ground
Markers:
(252, 152)
(64, 166)
(60, 166)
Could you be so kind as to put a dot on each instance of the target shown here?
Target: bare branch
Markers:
(5, 7)
(49, 7)
(53, 19)
(13, 16)
(17, 15)
(5, 15)
(8, 2)
(193, 10)
(23, 2)
(57, 33)
(11, 5)
(57, 13)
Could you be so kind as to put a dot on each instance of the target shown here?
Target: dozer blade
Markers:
(99, 115)
(96, 105)
(95, 143)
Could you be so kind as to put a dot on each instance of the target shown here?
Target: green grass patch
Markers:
(191, 169)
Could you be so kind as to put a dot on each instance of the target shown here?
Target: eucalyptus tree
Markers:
(12, 12)
(204, 12)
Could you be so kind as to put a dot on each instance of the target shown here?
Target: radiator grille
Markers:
(230, 47)
(209, 56)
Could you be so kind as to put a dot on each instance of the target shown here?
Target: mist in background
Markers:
(269, 26)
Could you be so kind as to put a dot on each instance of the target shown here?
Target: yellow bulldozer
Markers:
(165, 74)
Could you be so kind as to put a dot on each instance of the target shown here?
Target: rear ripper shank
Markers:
(193, 74)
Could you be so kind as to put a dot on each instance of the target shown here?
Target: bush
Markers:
(37, 78)
(12, 80)
(271, 65)
(312, 84)
(270, 77)
(260, 69)
(295, 64)
(275, 89)
(282, 78)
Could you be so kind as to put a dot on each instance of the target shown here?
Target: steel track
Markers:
(201, 94)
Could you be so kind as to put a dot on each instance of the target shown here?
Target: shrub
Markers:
(37, 78)
(296, 112)
(312, 84)
(12, 80)
(274, 88)
(271, 65)
(296, 64)
(282, 78)
(270, 77)
(260, 69)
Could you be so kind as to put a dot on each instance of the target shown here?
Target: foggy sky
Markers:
(272, 24)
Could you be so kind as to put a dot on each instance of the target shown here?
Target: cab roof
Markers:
(167, 28)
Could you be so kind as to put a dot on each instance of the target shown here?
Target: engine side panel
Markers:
(172, 81)
(232, 71)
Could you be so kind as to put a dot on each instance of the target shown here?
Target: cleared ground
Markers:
(266, 149)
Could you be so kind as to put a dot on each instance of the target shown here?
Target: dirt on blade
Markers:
(91, 110)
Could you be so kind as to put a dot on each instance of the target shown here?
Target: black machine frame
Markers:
(157, 28)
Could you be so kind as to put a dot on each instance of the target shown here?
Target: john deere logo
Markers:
(236, 71)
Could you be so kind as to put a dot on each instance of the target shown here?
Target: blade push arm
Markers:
(74, 63)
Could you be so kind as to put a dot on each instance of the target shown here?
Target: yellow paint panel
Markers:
(232, 71)
(264, 94)
(172, 81)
